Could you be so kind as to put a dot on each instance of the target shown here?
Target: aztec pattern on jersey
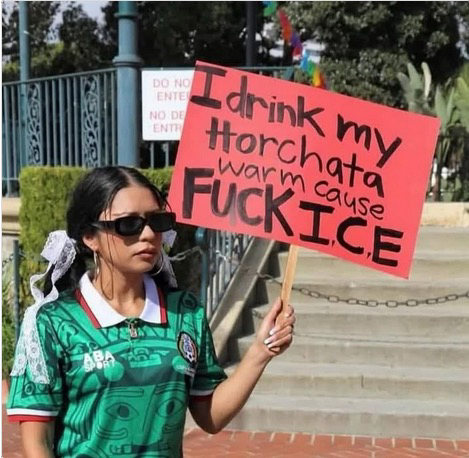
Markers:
(112, 395)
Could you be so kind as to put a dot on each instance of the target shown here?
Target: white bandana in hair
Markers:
(60, 251)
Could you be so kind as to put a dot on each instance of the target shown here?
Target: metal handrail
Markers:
(56, 77)
(221, 255)
(62, 120)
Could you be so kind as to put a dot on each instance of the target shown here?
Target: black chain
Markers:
(7, 261)
(372, 303)
(185, 254)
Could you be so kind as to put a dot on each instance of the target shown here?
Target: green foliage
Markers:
(367, 43)
(178, 33)
(80, 46)
(461, 100)
(8, 326)
(10, 71)
(42, 63)
(416, 88)
(451, 105)
(462, 11)
(44, 196)
(461, 96)
(82, 40)
(445, 108)
(169, 34)
(41, 30)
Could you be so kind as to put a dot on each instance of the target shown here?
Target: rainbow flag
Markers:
(269, 8)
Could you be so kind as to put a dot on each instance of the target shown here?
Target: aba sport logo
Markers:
(187, 347)
(98, 359)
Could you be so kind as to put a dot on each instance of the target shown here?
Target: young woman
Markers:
(110, 359)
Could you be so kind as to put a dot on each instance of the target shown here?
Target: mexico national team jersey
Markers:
(119, 387)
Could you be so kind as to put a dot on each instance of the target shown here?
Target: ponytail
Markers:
(70, 280)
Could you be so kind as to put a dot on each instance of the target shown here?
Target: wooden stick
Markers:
(288, 277)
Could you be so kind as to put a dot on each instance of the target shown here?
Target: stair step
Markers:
(319, 316)
(446, 238)
(427, 266)
(392, 289)
(447, 351)
(404, 370)
(362, 381)
(376, 417)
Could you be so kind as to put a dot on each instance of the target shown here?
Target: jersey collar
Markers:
(102, 314)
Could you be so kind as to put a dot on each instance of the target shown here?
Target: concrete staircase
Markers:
(362, 370)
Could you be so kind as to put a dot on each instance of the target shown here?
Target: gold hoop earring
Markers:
(96, 263)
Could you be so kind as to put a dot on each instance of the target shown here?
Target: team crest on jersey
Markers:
(98, 359)
(187, 347)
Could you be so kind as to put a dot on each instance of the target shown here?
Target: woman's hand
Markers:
(231, 394)
(275, 333)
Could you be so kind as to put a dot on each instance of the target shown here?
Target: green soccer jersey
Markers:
(119, 387)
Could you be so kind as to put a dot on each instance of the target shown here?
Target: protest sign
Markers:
(165, 94)
(302, 165)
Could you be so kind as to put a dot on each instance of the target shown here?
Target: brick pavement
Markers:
(241, 444)
(282, 445)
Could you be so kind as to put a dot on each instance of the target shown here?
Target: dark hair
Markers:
(92, 195)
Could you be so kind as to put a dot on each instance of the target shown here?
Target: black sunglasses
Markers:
(134, 225)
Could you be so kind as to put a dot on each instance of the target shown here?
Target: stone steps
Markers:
(450, 238)
(368, 370)
(427, 266)
(391, 289)
(354, 416)
(362, 381)
(322, 317)
(381, 350)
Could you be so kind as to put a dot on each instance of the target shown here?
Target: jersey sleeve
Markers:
(30, 401)
(209, 373)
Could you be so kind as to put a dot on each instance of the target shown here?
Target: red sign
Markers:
(302, 165)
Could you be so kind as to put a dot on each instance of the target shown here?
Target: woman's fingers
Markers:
(288, 322)
(279, 344)
(281, 317)
(280, 336)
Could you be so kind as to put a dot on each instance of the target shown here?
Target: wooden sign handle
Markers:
(288, 277)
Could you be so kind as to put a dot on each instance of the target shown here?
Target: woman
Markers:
(110, 359)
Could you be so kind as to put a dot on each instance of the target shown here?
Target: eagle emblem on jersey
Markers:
(187, 347)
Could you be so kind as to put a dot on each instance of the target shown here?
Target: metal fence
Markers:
(221, 255)
(71, 120)
(68, 120)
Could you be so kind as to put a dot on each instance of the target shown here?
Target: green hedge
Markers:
(8, 327)
(44, 197)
